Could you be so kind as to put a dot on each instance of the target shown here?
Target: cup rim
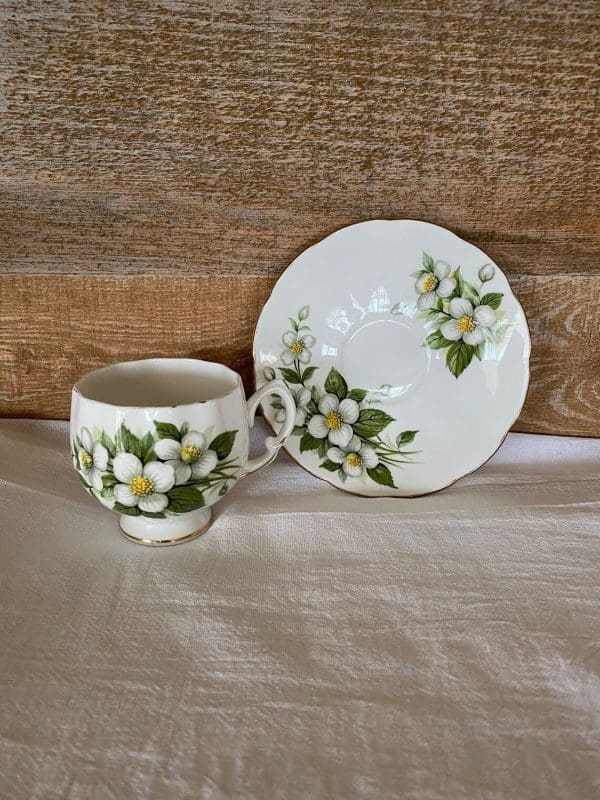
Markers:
(77, 390)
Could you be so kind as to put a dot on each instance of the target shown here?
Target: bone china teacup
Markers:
(159, 441)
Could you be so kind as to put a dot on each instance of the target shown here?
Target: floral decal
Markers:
(167, 471)
(338, 424)
(459, 316)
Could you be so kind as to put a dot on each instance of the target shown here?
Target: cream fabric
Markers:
(312, 644)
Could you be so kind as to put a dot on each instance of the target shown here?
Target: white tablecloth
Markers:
(312, 644)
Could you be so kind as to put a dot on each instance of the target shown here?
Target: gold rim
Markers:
(166, 542)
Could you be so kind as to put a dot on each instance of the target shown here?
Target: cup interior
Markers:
(158, 382)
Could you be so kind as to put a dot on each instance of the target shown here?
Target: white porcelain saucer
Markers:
(406, 350)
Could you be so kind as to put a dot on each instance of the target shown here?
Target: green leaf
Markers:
(223, 444)
(147, 445)
(406, 437)
(419, 273)
(308, 442)
(428, 262)
(314, 393)
(290, 375)
(436, 341)
(371, 421)
(492, 299)
(466, 289)
(304, 312)
(436, 317)
(166, 430)
(107, 492)
(154, 514)
(293, 324)
(335, 384)
(130, 442)
(298, 430)
(357, 394)
(308, 373)
(184, 498)
(330, 466)
(130, 511)
(381, 474)
(479, 350)
(184, 429)
(109, 480)
(458, 357)
(323, 448)
(108, 443)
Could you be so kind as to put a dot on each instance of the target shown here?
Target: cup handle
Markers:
(272, 443)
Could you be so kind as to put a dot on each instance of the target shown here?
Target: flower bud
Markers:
(486, 273)
(269, 373)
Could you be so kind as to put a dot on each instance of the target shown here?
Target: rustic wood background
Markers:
(163, 162)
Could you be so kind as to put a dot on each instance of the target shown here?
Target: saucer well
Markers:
(407, 353)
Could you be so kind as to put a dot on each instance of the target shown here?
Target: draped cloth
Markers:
(312, 644)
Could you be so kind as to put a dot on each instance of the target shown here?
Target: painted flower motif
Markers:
(141, 485)
(434, 285)
(93, 459)
(334, 420)
(302, 398)
(188, 458)
(467, 323)
(355, 457)
(297, 347)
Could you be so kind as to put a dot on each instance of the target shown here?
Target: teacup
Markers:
(160, 441)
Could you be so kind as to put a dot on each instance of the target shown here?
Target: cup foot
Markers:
(165, 532)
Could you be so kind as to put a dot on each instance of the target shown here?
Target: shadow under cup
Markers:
(159, 441)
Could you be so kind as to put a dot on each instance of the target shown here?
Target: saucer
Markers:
(407, 353)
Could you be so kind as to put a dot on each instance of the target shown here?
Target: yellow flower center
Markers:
(353, 460)
(141, 486)
(190, 454)
(466, 324)
(85, 459)
(429, 283)
(333, 421)
(297, 347)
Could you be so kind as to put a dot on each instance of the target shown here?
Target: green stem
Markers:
(298, 370)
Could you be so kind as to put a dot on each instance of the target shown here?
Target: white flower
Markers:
(302, 397)
(467, 323)
(187, 457)
(354, 457)
(487, 272)
(93, 459)
(297, 347)
(334, 420)
(142, 486)
(433, 285)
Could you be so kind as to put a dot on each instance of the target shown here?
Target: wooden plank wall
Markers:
(163, 162)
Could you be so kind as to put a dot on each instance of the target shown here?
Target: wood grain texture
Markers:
(155, 144)
(68, 325)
